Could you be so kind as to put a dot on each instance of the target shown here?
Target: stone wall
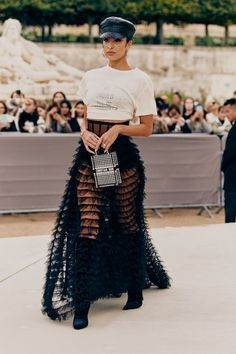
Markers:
(191, 70)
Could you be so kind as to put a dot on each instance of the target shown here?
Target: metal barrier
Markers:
(181, 170)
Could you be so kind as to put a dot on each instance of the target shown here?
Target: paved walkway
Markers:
(196, 316)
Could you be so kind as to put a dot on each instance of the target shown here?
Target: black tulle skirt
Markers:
(100, 245)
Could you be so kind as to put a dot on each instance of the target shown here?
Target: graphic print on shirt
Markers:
(105, 100)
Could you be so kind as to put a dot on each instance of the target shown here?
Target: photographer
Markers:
(222, 125)
(55, 121)
(175, 122)
(198, 124)
(7, 123)
(29, 120)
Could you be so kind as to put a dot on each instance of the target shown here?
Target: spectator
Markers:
(177, 101)
(7, 123)
(79, 109)
(159, 125)
(211, 107)
(165, 99)
(222, 125)
(228, 165)
(198, 124)
(42, 111)
(175, 122)
(15, 104)
(29, 120)
(65, 109)
(162, 107)
(57, 97)
(77, 115)
(56, 122)
(188, 109)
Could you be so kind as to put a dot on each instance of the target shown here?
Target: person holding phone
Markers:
(7, 123)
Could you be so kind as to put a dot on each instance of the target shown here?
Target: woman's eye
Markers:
(117, 40)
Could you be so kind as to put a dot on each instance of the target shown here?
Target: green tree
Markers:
(218, 12)
(169, 11)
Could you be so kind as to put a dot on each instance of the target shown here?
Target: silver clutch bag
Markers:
(106, 169)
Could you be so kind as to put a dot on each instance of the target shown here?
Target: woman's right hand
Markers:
(90, 140)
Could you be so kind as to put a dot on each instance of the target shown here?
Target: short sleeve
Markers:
(145, 102)
(81, 93)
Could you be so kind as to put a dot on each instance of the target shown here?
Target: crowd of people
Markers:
(190, 116)
(26, 115)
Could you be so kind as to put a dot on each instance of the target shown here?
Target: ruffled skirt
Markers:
(100, 245)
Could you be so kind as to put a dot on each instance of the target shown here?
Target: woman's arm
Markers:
(143, 129)
(83, 123)
(89, 139)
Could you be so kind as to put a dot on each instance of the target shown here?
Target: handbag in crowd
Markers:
(106, 169)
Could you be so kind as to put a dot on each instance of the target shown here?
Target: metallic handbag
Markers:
(106, 169)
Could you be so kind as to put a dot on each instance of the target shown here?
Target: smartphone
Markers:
(199, 107)
(3, 118)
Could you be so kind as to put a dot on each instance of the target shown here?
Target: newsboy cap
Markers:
(117, 27)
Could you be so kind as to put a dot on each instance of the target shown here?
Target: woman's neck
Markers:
(189, 111)
(120, 64)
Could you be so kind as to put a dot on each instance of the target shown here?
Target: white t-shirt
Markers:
(114, 94)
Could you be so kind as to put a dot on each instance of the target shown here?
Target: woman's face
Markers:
(58, 97)
(176, 99)
(29, 106)
(79, 108)
(65, 109)
(41, 112)
(189, 104)
(221, 113)
(173, 114)
(212, 106)
(2, 109)
(115, 49)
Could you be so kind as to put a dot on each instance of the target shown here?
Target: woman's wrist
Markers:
(84, 130)
(119, 128)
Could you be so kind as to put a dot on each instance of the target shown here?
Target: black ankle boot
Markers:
(135, 300)
(81, 316)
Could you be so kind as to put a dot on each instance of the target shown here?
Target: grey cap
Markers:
(116, 27)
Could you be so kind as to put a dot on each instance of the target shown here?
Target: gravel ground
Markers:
(33, 224)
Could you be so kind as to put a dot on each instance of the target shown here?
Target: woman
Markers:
(77, 116)
(42, 111)
(223, 125)
(189, 108)
(57, 97)
(177, 101)
(29, 120)
(55, 121)
(175, 121)
(101, 246)
(7, 123)
(198, 124)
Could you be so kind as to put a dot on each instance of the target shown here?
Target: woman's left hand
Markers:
(108, 138)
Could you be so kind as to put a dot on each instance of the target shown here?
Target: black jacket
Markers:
(27, 117)
(228, 165)
(74, 125)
